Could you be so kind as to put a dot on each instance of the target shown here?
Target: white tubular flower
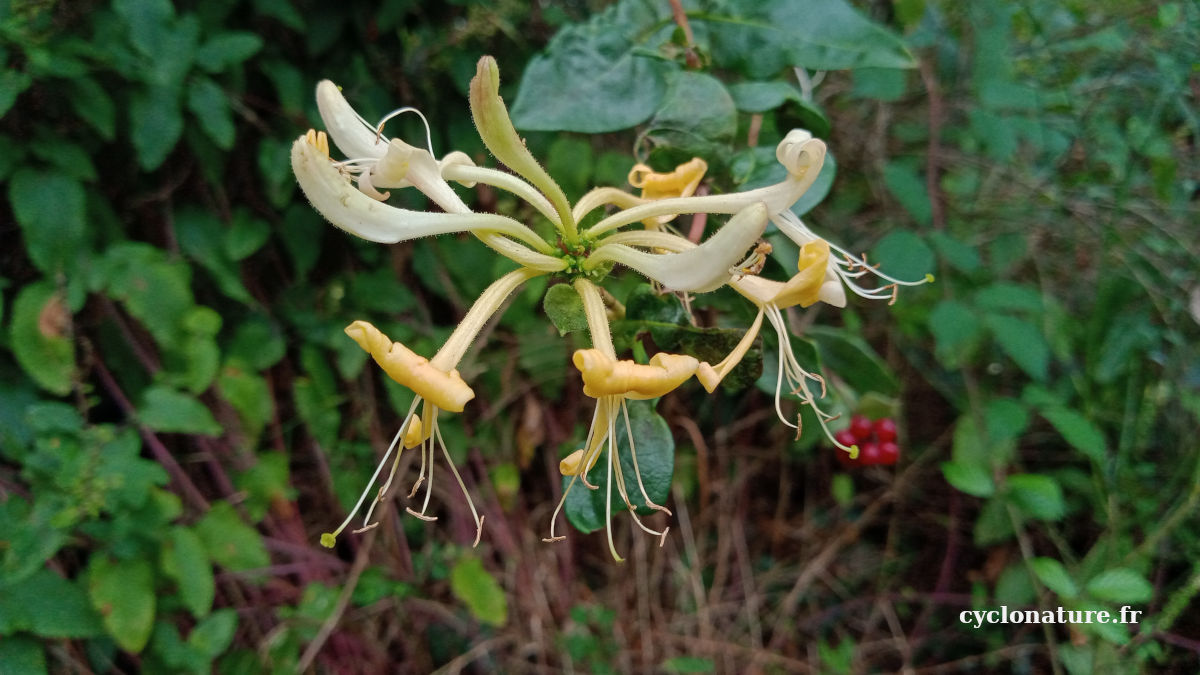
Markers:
(699, 269)
(799, 153)
(843, 268)
(329, 189)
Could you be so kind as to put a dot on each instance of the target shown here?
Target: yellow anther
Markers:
(319, 140)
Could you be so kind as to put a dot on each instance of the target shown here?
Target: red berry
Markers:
(860, 426)
(845, 437)
(889, 452)
(869, 453)
(885, 430)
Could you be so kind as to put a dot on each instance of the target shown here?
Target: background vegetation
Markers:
(181, 415)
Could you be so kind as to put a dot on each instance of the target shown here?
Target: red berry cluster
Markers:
(876, 441)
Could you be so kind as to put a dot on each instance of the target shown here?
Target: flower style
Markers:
(352, 194)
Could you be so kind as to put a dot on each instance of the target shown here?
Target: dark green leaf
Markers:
(1052, 573)
(696, 117)
(19, 655)
(202, 236)
(1037, 495)
(51, 210)
(47, 605)
(956, 331)
(213, 635)
(592, 78)
(185, 560)
(479, 591)
(123, 593)
(227, 49)
(973, 479)
(156, 123)
(231, 543)
(762, 37)
(903, 179)
(12, 83)
(1022, 341)
(165, 409)
(853, 360)
(1120, 584)
(94, 105)
(208, 102)
(1079, 431)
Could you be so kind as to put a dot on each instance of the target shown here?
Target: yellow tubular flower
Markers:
(605, 376)
(446, 390)
(682, 182)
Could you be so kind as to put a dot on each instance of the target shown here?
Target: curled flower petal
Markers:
(682, 182)
(404, 165)
(710, 376)
(606, 376)
(700, 269)
(446, 390)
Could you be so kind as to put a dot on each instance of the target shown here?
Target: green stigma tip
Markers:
(929, 278)
(328, 540)
(854, 451)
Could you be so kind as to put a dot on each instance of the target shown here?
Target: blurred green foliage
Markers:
(181, 412)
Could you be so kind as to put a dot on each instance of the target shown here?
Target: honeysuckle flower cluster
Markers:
(634, 232)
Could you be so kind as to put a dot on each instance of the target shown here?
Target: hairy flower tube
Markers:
(630, 232)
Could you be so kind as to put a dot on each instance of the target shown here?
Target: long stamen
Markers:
(474, 514)
(637, 472)
(612, 454)
(329, 538)
(404, 429)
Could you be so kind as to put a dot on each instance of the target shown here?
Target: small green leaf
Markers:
(123, 593)
(165, 409)
(12, 83)
(208, 102)
(227, 49)
(956, 332)
(213, 635)
(1052, 573)
(50, 207)
(565, 309)
(972, 479)
(245, 235)
(1079, 432)
(231, 543)
(479, 591)
(1120, 584)
(39, 338)
(1022, 341)
(156, 124)
(904, 181)
(1037, 495)
(94, 105)
(202, 236)
(185, 560)
(47, 605)
(904, 255)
